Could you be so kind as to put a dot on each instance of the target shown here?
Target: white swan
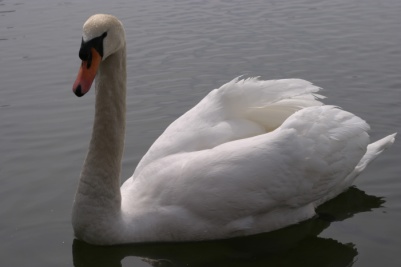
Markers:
(252, 156)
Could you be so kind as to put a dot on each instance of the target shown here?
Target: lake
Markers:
(177, 52)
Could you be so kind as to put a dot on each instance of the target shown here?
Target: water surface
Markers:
(177, 52)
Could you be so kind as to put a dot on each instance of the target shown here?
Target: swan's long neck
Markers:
(98, 196)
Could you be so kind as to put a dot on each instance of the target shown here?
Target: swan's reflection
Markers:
(297, 245)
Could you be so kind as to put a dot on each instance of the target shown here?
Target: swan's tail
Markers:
(374, 150)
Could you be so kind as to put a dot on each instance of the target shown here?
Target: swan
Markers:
(252, 156)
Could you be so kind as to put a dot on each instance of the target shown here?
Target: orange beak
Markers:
(87, 73)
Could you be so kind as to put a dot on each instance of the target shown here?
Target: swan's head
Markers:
(103, 35)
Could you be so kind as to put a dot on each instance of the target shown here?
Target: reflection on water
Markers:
(297, 245)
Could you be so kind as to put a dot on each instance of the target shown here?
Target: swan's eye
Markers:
(96, 43)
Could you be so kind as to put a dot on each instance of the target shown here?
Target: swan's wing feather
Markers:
(335, 141)
(288, 169)
(238, 109)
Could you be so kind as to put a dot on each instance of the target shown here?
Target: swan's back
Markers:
(252, 156)
(237, 110)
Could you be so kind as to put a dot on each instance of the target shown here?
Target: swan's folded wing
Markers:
(237, 110)
(299, 163)
(281, 173)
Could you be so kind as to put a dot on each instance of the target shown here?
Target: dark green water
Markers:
(177, 52)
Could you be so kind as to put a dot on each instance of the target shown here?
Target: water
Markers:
(177, 52)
